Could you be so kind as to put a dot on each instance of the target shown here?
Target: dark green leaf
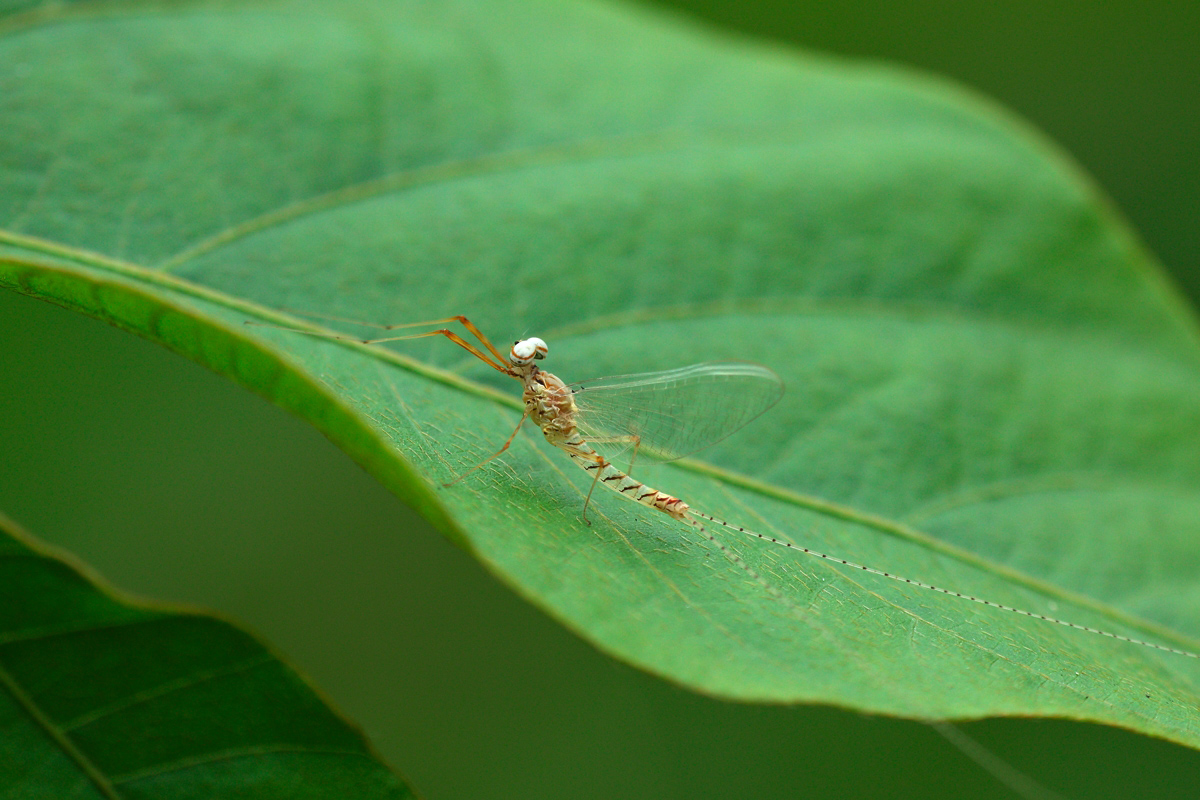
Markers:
(107, 697)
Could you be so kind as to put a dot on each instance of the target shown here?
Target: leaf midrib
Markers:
(914, 536)
(836, 642)
(815, 504)
(59, 737)
(831, 637)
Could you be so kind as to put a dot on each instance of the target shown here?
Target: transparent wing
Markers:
(675, 412)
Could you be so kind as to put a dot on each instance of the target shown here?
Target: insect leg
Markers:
(497, 363)
(507, 442)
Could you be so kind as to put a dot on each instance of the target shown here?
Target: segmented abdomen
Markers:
(618, 481)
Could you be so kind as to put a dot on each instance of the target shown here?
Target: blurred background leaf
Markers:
(109, 697)
(651, 702)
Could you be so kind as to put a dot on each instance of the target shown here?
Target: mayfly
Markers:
(665, 415)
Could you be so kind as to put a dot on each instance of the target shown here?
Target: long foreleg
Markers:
(496, 363)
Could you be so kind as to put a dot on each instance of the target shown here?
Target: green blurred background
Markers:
(179, 485)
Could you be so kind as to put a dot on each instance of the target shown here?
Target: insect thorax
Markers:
(550, 403)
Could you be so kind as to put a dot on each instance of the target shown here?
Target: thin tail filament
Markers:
(605, 473)
(920, 584)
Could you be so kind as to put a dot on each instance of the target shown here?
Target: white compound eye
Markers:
(527, 350)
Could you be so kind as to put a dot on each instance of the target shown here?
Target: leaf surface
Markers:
(990, 386)
(111, 698)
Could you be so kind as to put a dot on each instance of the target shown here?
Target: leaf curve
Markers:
(990, 386)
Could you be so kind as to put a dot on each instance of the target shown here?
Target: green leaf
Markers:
(991, 387)
(108, 697)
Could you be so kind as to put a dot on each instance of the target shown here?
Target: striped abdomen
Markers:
(619, 482)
